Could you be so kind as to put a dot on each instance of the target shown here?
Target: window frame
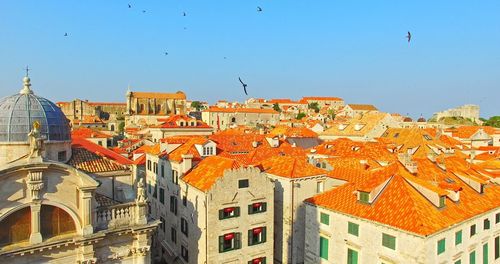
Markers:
(388, 241)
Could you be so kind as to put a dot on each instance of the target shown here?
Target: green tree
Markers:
(121, 127)
(300, 115)
(331, 114)
(276, 107)
(494, 121)
(197, 105)
(315, 106)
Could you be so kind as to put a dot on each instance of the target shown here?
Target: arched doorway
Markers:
(16, 227)
(54, 222)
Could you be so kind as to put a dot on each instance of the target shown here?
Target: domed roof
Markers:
(19, 111)
(421, 119)
(407, 119)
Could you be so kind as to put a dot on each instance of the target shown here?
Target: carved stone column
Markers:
(88, 229)
(36, 236)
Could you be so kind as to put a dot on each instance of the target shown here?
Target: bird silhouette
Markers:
(244, 85)
(408, 36)
(259, 9)
(129, 6)
(183, 13)
(143, 11)
(166, 53)
(65, 34)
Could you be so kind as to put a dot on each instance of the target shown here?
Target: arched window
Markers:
(55, 221)
(112, 128)
(158, 108)
(233, 119)
(16, 227)
(141, 108)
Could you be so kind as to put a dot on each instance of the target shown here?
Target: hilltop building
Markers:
(465, 111)
(144, 108)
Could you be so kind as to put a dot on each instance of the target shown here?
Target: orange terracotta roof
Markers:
(148, 149)
(467, 131)
(290, 167)
(208, 171)
(288, 131)
(365, 107)
(83, 132)
(401, 206)
(94, 158)
(241, 110)
(172, 122)
(187, 148)
(346, 148)
(177, 95)
(349, 128)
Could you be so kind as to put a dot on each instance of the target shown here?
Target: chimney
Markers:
(255, 144)
(187, 162)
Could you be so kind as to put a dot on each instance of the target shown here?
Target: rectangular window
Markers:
(173, 204)
(155, 191)
(485, 253)
(458, 238)
(324, 218)
(175, 177)
(184, 200)
(441, 246)
(61, 156)
(229, 241)
(472, 257)
(442, 200)
(184, 253)
(149, 165)
(162, 224)
(352, 256)
(162, 173)
(149, 188)
(457, 262)
(497, 218)
(320, 186)
(256, 236)
(364, 197)
(261, 260)
(353, 229)
(323, 247)
(243, 184)
(497, 247)
(229, 212)
(486, 224)
(162, 196)
(256, 208)
(173, 235)
(472, 230)
(184, 226)
(389, 241)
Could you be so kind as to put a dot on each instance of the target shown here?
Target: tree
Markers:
(300, 116)
(331, 113)
(276, 107)
(314, 105)
(121, 127)
(197, 105)
(494, 121)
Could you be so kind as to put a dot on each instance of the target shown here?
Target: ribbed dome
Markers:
(18, 113)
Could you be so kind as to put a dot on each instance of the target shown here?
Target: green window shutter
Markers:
(221, 244)
(324, 218)
(486, 224)
(264, 207)
(458, 262)
(353, 229)
(458, 237)
(323, 247)
(264, 234)
(442, 200)
(352, 256)
(250, 237)
(485, 253)
(236, 211)
(237, 240)
(472, 257)
(497, 247)
(364, 197)
(389, 241)
(250, 209)
(441, 246)
(221, 214)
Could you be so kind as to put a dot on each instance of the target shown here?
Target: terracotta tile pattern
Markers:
(83, 132)
(290, 167)
(206, 173)
(93, 158)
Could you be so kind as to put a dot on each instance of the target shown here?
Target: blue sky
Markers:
(352, 49)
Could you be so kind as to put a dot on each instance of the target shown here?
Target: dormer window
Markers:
(364, 197)
(442, 201)
(342, 126)
(358, 127)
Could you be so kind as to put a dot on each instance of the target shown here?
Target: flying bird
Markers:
(259, 9)
(244, 85)
(166, 53)
(183, 13)
(65, 34)
(408, 36)
(129, 6)
(143, 11)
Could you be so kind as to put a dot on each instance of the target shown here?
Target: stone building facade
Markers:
(144, 108)
(225, 118)
(466, 111)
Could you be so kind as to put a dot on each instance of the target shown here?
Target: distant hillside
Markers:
(494, 121)
(455, 121)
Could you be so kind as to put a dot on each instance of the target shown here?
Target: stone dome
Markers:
(18, 112)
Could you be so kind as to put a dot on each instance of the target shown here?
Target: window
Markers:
(457, 262)
(486, 224)
(441, 246)
(184, 253)
(497, 247)
(208, 151)
(173, 204)
(61, 156)
(256, 236)
(497, 218)
(149, 188)
(458, 238)
(320, 186)
(229, 241)
(149, 165)
(55, 221)
(485, 253)
(162, 173)
(256, 208)
(243, 183)
(364, 197)
(472, 257)
(472, 230)
(162, 196)
(324, 218)
(352, 256)
(229, 212)
(442, 200)
(261, 260)
(353, 229)
(175, 177)
(388, 241)
(184, 200)
(162, 224)
(155, 167)
(323, 247)
(184, 226)
(155, 192)
(16, 227)
(173, 235)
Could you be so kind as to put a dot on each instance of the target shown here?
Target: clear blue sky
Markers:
(353, 49)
